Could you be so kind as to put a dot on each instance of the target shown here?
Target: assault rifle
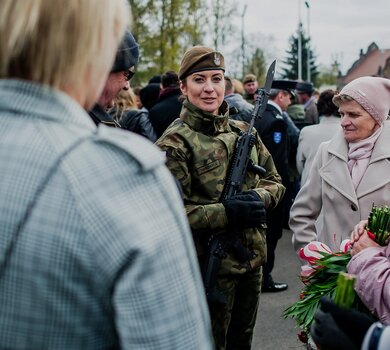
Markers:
(220, 244)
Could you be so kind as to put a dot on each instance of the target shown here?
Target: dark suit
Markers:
(273, 132)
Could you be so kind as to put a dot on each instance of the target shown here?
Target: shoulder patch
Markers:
(277, 136)
(138, 147)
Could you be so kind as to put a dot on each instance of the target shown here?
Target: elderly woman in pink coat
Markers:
(351, 171)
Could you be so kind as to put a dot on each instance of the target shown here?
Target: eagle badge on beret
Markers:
(217, 59)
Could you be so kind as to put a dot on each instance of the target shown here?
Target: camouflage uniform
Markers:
(199, 148)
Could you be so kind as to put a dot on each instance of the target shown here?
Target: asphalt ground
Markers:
(272, 331)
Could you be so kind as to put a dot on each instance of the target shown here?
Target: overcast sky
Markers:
(338, 28)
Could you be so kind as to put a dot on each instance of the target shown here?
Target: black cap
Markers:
(305, 87)
(284, 84)
(127, 54)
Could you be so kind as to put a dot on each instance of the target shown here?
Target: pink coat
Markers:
(329, 188)
(372, 268)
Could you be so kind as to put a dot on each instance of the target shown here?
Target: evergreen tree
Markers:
(329, 75)
(291, 62)
(257, 66)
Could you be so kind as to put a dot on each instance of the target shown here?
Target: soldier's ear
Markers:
(183, 87)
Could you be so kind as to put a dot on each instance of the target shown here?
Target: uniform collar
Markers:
(272, 103)
(207, 123)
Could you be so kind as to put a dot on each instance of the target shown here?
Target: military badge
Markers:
(277, 137)
(217, 59)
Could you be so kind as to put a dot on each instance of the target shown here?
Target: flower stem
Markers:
(345, 293)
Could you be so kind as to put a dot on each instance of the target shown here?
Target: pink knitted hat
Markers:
(373, 94)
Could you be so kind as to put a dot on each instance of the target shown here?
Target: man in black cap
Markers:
(305, 91)
(118, 79)
(273, 130)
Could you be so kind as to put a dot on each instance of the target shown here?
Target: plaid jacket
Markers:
(105, 259)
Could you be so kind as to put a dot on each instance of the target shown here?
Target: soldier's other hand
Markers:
(245, 210)
(252, 140)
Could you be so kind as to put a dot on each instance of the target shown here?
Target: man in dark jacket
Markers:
(272, 128)
(118, 79)
(135, 120)
(168, 106)
(305, 96)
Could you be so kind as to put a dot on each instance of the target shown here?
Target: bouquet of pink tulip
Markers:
(320, 276)
(320, 279)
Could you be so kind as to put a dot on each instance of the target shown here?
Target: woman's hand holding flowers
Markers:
(363, 242)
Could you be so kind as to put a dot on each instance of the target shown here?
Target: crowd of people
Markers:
(116, 240)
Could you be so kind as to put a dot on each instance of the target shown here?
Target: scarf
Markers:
(359, 154)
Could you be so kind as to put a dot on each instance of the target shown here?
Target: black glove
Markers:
(339, 328)
(245, 210)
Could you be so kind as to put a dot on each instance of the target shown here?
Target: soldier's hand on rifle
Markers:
(245, 210)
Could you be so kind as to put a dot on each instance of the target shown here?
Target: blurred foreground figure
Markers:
(95, 249)
(336, 328)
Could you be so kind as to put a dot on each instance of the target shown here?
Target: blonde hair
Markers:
(60, 43)
(124, 101)
(341, 98)
(238, 87)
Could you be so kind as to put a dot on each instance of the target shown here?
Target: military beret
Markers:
(249, 78)
(127, 54)
(200, 58)
(304, 87)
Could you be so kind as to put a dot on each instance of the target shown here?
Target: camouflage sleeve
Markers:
(200, 217)
(269, 187)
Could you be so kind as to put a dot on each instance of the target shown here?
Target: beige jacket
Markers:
(310, 139)
(329, 188)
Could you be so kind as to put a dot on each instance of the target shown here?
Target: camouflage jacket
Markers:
(199, 148)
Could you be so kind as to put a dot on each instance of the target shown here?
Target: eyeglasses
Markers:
(128, 74)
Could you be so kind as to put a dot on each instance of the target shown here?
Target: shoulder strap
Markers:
(31, 205)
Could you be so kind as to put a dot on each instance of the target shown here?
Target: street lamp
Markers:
(299, 42)
(308, 39)
(243, 40)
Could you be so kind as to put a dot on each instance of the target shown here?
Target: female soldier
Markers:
(199, 147)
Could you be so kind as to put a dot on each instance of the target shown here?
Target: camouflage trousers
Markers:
(233, 323)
